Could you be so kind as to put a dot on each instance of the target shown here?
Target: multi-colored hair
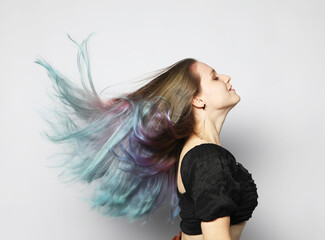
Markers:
(129, 145)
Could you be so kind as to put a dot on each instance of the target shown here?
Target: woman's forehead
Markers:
(205, 70)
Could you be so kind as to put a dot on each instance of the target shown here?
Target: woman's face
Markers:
(215, 89)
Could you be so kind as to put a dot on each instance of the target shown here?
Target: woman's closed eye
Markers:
(216, 78)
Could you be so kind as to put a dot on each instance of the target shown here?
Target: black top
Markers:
(215, 186)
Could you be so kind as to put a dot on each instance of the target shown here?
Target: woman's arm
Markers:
(220, 228)
(236, 230)
(217, 229)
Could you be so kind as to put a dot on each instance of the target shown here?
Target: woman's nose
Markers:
(228, 78)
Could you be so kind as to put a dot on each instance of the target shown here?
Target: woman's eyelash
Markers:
(216, 78)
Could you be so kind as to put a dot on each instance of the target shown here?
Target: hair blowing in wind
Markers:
(128, 145)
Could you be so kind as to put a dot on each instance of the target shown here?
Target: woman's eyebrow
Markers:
(213, 71)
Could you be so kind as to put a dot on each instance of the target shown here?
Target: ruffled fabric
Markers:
(216, 186)
(248, 196)
(214, 191)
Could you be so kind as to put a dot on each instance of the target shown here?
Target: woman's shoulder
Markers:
(201, 149)
(207, 161)
(205, 152)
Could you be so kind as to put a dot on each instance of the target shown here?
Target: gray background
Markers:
(274, 52)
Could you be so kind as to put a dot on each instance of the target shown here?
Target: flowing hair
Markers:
(128, 145)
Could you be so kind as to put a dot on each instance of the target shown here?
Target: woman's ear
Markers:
(197, 102)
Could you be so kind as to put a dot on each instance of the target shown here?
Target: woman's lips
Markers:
(232, 89)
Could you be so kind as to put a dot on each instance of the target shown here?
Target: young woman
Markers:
(162, 138)
(218, 195)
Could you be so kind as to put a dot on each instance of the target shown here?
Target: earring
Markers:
(203, 107)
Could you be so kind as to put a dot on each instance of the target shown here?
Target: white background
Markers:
(273, 50)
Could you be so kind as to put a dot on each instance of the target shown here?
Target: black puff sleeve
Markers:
(212, 187)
